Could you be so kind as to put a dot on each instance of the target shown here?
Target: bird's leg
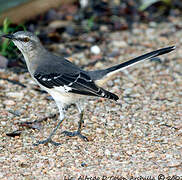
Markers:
(49, 139)
(80, 123)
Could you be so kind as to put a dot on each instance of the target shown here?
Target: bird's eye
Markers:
(26, 39)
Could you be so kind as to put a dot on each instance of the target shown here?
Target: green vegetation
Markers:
(89, 23)
(7, 47)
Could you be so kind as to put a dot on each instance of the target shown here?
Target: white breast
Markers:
(61, 94)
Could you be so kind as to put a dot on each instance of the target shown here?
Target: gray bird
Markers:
(66, 82)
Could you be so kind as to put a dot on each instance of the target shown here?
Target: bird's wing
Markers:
(78, 83)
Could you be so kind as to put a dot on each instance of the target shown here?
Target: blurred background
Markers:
(61, 22)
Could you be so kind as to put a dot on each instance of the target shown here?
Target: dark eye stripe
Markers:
(24, 39)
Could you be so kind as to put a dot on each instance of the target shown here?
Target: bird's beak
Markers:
(9, 36)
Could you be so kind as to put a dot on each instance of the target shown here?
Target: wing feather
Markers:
(79, 83)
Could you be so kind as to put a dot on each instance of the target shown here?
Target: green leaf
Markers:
(6, 24)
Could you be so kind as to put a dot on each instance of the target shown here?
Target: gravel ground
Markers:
(139, 135)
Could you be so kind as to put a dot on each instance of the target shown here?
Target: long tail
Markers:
(105, 73)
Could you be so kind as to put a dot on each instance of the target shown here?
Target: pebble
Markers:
(18, 95)
(130, 125)
(150, 33)
(136, 31)
(111, 124)
(59, 153)
(110, 83)
(119, 44)
(3, 62)
(3, 123)
(99, 65)
(122, 117)
(152, 24)
(129, 152)
(103, 120)
(84, 3)
(107, 152)
(9, 102)
(90, 39)
(127, 91)
(100, 152)
(103, 28)
(58, 24)
(174, 162)
(114, 53)
(95, 49)
(99, 130)
(2, 175)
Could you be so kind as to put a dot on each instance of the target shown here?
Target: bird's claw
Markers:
(75, 133)
(46, 141)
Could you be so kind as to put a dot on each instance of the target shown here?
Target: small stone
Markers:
(107, 152)
(110, 83)
(136, 31)
(99, 65)
(110, 124)
(58, 24)
(130, 125)
(129, 152)
(3, 62)
(119, 44)
(18, 95)
(3, 123)
(9, 102)
(100, 152)
(99, 130)
(116, 154)
(152, 24)
(83, 164)
(174, 163)
(59, 153)
(113, 53)
(1, 175)
(122, 117)
(95, 49)
(169, 156)
(90, 39)
(103, 28)
(127, 91)
(84, 3)
(75, 143)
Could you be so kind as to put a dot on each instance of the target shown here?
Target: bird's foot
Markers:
(75, 133)
(46, 141)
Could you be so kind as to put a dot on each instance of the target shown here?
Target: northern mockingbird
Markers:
(66, 82)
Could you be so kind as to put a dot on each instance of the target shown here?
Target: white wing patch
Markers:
(67, 88)
(63, 89)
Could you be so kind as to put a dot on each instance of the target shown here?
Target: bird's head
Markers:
(26, 42)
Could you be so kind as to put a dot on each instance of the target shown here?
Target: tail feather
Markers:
(99, 74)
(109, 95)
(140, 58)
